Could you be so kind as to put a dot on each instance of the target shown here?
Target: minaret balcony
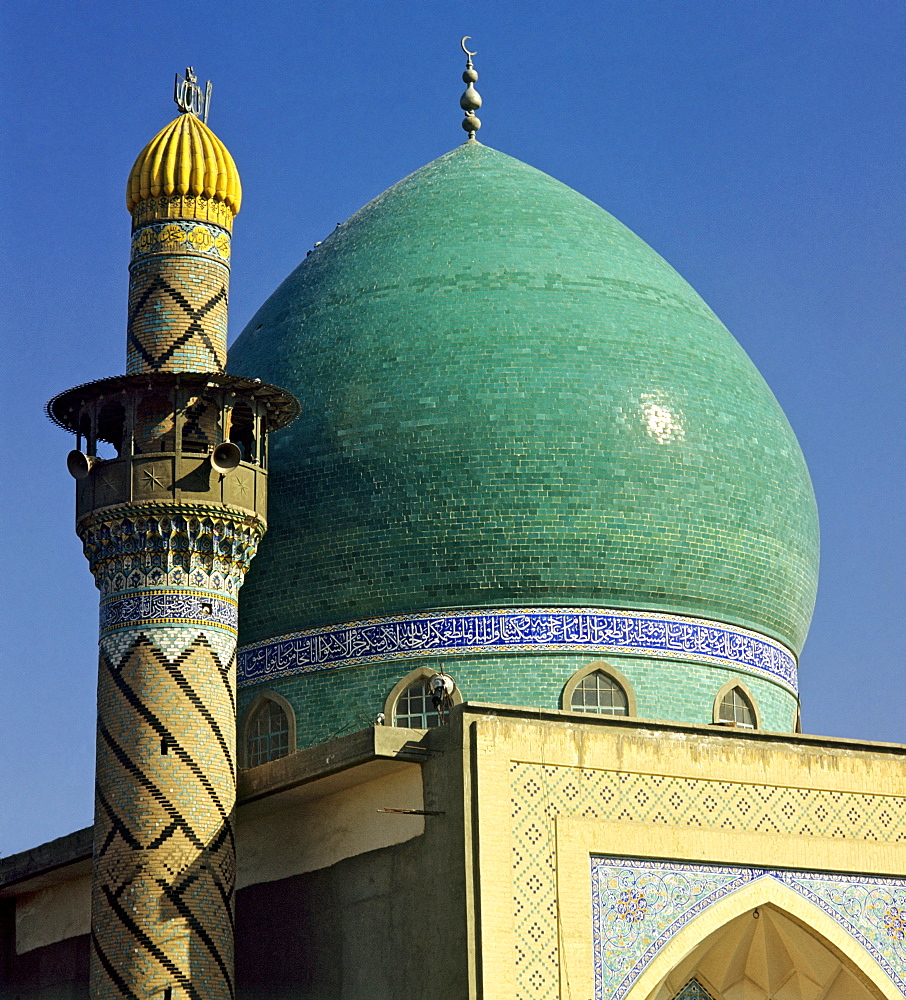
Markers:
(172, 437)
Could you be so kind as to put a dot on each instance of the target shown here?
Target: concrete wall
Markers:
(53, 914)
(391, 922)
(300, 831)
(57, 971)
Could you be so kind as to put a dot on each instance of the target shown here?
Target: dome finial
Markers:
(189, 98)
(470, 101)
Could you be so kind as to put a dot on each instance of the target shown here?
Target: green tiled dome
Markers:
(509, 399)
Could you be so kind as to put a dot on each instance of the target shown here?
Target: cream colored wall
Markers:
(670, 794)
(53, 914)
(314, 826)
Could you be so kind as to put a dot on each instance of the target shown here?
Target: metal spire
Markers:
(470, 101)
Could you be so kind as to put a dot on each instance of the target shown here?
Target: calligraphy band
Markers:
(181, 237)
(637, 633)
(176, 607)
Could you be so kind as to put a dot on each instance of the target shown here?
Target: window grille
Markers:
(736, 709)
(600, 694)
(414, 708)
(267, 734)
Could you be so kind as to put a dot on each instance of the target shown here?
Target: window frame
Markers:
(403, 685)
(249, 714)
(735, 682)
(599, 666)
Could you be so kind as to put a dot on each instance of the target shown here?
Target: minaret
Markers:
(169, 527)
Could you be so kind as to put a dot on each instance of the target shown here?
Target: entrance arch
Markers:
(791, 951)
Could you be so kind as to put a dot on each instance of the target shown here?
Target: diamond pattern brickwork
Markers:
(165, 787)
(539, 793)
(164, 856)
(177, 314)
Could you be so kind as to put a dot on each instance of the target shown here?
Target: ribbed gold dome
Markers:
(185, 159)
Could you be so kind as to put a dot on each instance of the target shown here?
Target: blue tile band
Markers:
(162, 607)
(638, 633)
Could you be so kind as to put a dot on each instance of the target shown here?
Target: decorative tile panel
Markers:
(161, 545)
(638, 906)
(540, 793)
(693, 990)
(519, 630)
(183, 207)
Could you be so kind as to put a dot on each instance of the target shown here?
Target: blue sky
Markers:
(758, 146)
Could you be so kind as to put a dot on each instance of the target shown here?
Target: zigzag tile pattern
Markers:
(177, 315)
(162, 898)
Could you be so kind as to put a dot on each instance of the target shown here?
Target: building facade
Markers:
(517, 710)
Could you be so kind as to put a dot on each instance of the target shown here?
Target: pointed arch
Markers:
(414, 679)
(735, 684)
(608, 671)
(765, 891)
(261, 701)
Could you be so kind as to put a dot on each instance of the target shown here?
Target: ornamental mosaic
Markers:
(693, 990)
(525, 630)
(155, 547)
(137, 577)
(182, 207)
(182, 237)
(638, 906)
(540, 793)
(158, 607)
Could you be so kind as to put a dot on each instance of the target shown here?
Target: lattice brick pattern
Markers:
(162, 894)
(539, 793)
(177, 314)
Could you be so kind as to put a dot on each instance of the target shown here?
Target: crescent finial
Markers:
(470, 101)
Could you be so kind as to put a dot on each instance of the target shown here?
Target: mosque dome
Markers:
(510, 400)
(185, 159)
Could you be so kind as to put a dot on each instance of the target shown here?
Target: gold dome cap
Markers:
(185, 161)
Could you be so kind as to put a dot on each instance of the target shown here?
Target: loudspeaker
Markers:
(80, 464)
(225, 458)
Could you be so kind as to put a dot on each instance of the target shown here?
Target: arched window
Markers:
(242, 430)
(414, 708)
(599, 689)
(410, 704)
(734, 706)
(599, 693)
(154, 425)
(269, 731)
(112, 425)
(199, 429)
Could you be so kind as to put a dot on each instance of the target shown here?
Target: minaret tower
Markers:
(169, 527)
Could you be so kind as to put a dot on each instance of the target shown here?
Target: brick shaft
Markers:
(164, 853)
(179, 283)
